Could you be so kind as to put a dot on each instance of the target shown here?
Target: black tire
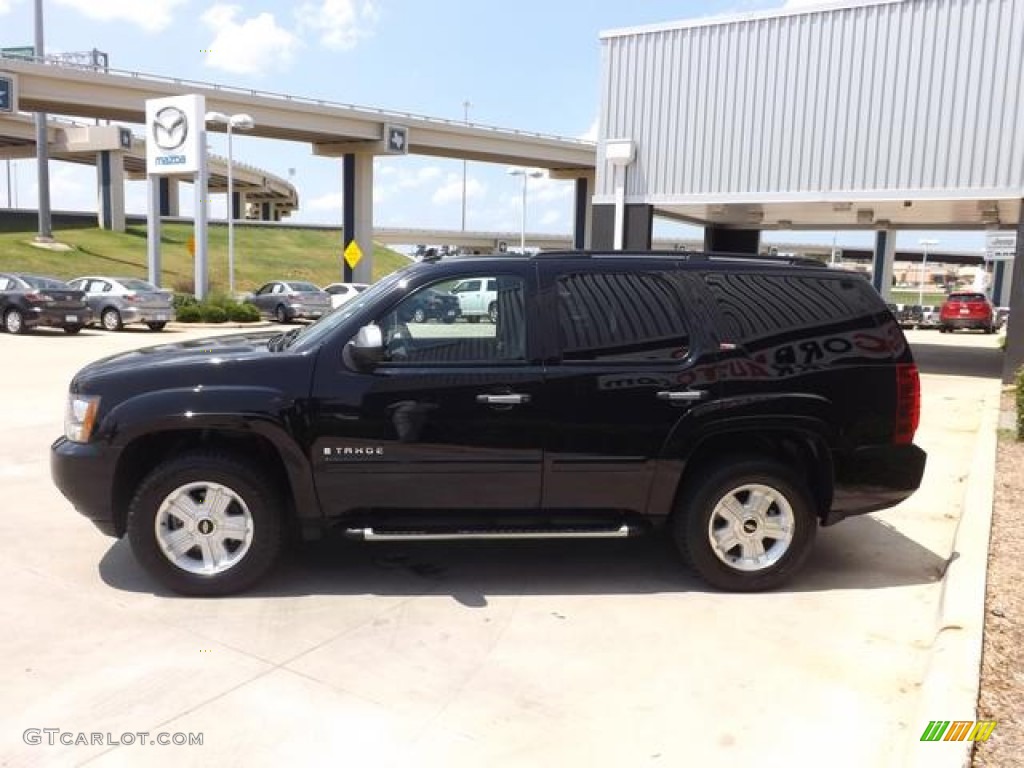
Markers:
(265, 509)
(281, 314)
(157, 326)
(449, 320)
(492, 312)
(473, 318)
(14, 322)
(71, 330)
(419, 316)
(110, 319)
(691, 523)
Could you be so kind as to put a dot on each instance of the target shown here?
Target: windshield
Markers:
(322, 328)
(303, 287)
(136, 285)
(45, 283)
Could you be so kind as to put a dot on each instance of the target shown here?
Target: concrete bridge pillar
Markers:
(110, 190)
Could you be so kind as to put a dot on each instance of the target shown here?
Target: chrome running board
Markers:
(369, 534)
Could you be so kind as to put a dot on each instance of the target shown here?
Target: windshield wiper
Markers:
(282, 340)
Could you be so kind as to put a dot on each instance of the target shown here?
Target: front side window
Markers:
(620, 317)
(427, 328)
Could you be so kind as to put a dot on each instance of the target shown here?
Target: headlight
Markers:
(80, 417)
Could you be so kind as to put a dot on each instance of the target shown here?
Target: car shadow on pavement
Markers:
(946, 360)
(862, 553)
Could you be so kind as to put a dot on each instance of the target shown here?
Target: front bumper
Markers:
(873, 478)
(84, 473)
(57, 318)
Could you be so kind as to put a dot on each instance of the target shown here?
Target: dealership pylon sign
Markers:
(176, 146)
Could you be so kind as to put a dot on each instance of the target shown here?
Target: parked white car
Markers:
(344, 292)
(478, 298)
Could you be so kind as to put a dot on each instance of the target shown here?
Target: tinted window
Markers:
(137, 285)
(303, 287)
(754, 305)
(620, 316)
(966, 297)
(45, 283)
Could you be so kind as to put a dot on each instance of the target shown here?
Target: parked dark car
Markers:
(967, 311)
(287, 300)
(433, 305)
(734, 404)
(30, 301)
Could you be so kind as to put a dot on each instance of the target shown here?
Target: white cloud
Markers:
(341, 24)
(248, 46)
(451, 190)
(329, 202)
(151, 15)
(5, 6)
(591, 133)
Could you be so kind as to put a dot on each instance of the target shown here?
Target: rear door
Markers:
(617, 381)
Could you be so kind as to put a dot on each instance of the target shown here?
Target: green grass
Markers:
(261, 254)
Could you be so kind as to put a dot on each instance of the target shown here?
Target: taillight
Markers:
(131, 298)
(35, 297)
(908, 403)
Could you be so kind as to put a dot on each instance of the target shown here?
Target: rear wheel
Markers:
(157, 326)
(281, 314)
(745, 525)
(14, 321)
(206, 524)
(111, 319)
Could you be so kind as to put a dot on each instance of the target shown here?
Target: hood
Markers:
(179, 363)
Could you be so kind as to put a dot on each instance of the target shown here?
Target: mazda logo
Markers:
(170, 128)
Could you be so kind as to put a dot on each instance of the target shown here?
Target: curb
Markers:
(949, 690)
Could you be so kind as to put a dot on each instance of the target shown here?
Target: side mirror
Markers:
(366, 350)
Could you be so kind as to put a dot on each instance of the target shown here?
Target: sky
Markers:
(530, 65)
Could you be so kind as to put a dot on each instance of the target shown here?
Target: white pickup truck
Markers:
(478, 298)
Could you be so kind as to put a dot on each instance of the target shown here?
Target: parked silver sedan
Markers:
(287, 300)
(118, 301)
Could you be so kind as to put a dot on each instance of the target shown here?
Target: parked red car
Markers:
(967, 310)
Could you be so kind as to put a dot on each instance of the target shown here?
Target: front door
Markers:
(448, 421)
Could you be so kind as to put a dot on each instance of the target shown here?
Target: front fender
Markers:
(261, 411)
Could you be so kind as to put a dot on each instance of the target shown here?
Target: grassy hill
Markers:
(261, 253)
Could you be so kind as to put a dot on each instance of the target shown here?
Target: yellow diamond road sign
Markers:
(353, 254)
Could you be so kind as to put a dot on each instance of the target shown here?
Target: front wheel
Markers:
(206, 524)
(111, 320)
(14, 321)
(745, 525)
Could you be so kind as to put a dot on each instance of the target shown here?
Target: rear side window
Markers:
(634, 317)
(754, 305)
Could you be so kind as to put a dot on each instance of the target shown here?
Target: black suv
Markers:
(738, 403)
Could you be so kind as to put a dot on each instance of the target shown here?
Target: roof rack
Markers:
(802, 261)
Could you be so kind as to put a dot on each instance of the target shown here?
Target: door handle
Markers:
(511, 398)
(687, 395)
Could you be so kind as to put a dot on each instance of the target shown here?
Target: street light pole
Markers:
(465, 117)
(245, 122)
(526, 175)
(924, 269)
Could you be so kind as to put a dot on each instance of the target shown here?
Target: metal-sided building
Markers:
(880, 115)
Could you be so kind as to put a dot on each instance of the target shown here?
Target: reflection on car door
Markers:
(449, 421)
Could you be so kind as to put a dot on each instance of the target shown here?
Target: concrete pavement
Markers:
(544, 653)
